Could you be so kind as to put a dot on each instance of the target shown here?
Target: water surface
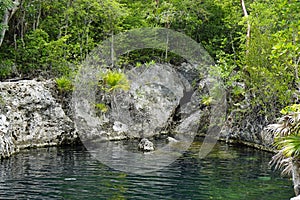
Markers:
(229, 172)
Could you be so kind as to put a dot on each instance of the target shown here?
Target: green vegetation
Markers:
(101, 107)
(64, 84)
(49, 36)
(207, 100)
(290, 109)
(287, 141)
(255, 44)
(287, 132)
(113, 80)
(109, 83)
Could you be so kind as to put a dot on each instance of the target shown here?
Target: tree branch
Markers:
(248, 24)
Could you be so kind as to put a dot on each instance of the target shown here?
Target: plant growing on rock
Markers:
(101, 107)
(287, 140)
(113, 80)
(109, 83)
(64, 84)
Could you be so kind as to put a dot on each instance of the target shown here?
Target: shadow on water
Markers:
(228, 172)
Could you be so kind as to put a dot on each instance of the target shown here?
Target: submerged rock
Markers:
(146, 145)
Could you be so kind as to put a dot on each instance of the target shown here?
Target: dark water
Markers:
(228, 173)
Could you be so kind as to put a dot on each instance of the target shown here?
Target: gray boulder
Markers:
(146, 145)
(31, 117)
(155, 94)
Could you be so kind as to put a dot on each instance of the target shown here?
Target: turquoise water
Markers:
(229, 172)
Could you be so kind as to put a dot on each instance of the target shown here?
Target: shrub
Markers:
(64, 84)
(115, 80)
(101, 107)
(5, 69)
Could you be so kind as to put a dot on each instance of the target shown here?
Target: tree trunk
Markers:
(5, 24)
(296, 176)
(296, 59)
(112, 50)
(167, 46)
(248, 25)
(38, 17)
(7, 16)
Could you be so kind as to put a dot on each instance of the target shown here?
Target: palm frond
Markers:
(290, 145)
(287, 139)
(296, 116)
(287, 166)
(287, 125)
(278, 129)
(280, 162)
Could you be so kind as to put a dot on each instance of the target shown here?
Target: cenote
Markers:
(229, 172)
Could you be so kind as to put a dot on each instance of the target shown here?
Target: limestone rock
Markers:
(295, 198)
(31, 117)
(170, 139)
(155, 95)
(146, 145)
(120, 127)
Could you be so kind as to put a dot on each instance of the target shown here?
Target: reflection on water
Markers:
(229, 172)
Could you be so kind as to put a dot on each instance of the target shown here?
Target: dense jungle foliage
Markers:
(255, 43)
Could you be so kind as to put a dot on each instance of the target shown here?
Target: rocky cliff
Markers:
(31, 117)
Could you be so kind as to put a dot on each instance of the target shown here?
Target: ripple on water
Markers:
(229, 172)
